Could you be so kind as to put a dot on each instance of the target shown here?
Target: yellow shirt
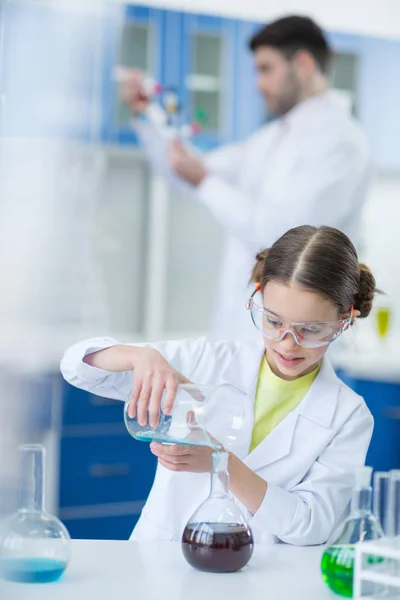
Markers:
(275, 399)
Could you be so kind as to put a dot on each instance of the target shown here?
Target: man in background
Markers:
(308, 166)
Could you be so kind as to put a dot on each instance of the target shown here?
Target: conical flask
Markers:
(35, 547)
(361, 525)
(217, 537)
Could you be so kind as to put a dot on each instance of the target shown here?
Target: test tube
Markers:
(381, 505)
(394, 503)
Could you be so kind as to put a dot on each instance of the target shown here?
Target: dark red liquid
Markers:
(217, 547)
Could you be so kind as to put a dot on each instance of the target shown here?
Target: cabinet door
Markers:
(104, 469)
(250, 108)
(380, 100)
(90, 527)
(383, 400)
(135, 43)
(345, 68)
(365, 69)
(344, 77)
(208, 52)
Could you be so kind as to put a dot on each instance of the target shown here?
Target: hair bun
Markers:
(366, 291)
(258, 270)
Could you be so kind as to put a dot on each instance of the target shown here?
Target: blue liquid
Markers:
(31, 570)
(160, 434)
(148, 436)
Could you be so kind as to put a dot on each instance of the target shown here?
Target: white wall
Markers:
(369, 17)
(381, 232)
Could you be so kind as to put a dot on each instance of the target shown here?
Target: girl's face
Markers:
(289, 302)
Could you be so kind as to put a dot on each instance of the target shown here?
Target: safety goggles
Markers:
(308, 334)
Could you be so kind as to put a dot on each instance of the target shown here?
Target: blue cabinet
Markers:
(133, 40)
(56, 76)
(206, 60)
(383, 400)
(379, 93)
(105, 475)
(188, 54)
(208, 51)
(250, 111)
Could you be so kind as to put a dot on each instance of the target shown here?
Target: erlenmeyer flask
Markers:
(361, 525)
(35, 547)
(202, 415)
(217, 537)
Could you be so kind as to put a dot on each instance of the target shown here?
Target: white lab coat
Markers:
(310, 167)
(308, 460)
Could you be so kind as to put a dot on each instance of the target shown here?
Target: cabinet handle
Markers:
(101, 471)
(392, 412)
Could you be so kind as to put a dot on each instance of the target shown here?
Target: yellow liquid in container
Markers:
(383, 321)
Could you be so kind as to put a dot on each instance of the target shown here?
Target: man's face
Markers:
(278, 79)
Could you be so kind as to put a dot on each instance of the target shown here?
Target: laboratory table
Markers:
(101, 570)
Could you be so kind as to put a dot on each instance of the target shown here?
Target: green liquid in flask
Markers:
(337, 569)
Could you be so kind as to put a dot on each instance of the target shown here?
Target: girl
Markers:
(292, 468)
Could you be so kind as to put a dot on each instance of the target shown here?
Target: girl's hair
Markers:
(322, 260)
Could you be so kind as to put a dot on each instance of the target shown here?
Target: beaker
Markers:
(337, 563)
(202, 415)
(217, 537)
(35, 547)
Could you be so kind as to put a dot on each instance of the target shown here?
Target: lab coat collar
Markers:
(301, 113)
(318, 405)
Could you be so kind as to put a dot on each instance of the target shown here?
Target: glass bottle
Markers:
(35, 547)
(361, 525)
(202, 415)
(217, 537)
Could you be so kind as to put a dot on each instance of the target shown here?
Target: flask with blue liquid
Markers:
(202, 415)
(35, 547)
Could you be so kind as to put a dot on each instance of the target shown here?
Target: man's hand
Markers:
(131, 90)
(185, 165)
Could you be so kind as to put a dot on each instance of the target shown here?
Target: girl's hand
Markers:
(192, 459)
(152, 375)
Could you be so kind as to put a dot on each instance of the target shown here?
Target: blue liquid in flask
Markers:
(35, 547)
(32, 570)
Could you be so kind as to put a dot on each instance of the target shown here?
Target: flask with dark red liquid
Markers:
(217, 537)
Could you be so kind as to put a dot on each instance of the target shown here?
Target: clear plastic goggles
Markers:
(308, 334)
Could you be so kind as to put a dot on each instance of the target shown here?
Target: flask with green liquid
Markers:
(361, 525)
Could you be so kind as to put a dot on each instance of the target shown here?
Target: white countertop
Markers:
(107, 570)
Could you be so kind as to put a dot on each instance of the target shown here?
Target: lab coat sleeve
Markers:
(184, 356)
(156, 138)
(316, 192)
(308, 513)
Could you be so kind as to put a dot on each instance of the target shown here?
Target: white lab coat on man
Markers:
(308, 168)
(308, 460)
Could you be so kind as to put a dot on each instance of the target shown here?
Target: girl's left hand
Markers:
(192, 459)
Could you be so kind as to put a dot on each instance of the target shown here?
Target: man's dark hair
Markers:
(290, 34)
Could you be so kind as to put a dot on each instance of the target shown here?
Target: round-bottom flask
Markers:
(35, 547)
(217, 537)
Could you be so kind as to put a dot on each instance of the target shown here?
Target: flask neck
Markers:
(32, 477)
(220, 475)
(361, 502)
